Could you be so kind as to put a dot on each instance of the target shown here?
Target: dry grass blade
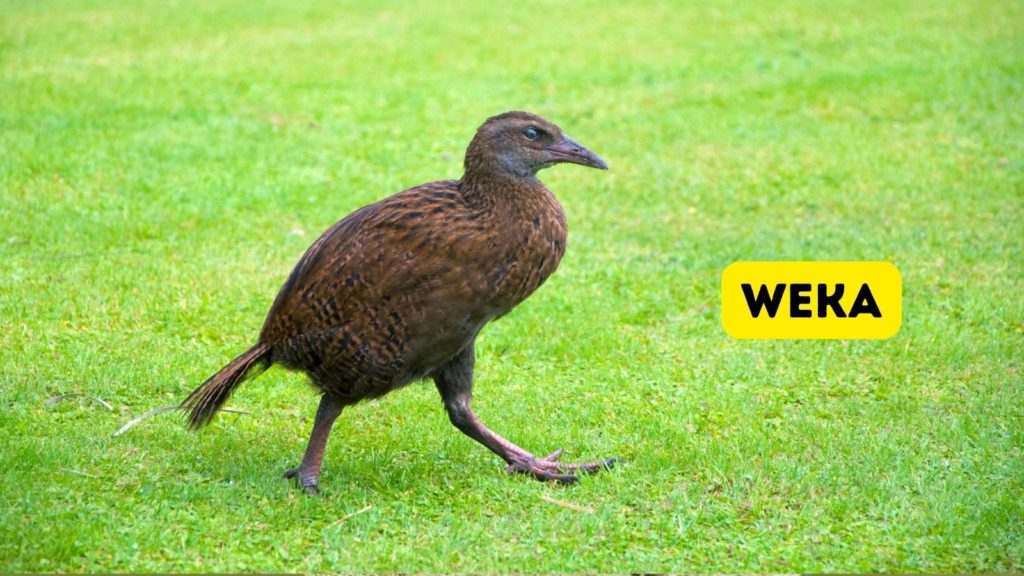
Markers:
(350, 515)
(62, 397)
(568, 505)
(134, 421)
(131, 423)
(78, 473)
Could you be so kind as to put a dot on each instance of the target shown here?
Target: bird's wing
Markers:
(378, 253)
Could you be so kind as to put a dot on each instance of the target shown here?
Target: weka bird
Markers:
(398, 290)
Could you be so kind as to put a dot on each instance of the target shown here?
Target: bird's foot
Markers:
(308, 480)
(549, 468)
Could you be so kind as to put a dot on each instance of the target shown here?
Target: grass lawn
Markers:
(164, 164)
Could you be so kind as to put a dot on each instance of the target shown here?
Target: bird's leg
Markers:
(308, 473)
(455, 383)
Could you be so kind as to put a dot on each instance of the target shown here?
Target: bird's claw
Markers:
(549, 469)
(307, 482)
(553, 457)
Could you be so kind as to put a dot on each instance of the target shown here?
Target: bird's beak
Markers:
(568, 150)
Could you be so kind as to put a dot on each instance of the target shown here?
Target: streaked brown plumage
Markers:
(398, 290)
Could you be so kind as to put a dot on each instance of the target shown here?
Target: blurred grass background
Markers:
(164, 164)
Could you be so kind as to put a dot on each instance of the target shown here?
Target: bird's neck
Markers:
(499, 187)
(508, 203)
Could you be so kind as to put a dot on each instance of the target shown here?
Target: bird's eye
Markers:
(531, 133)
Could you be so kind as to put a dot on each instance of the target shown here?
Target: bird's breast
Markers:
(532, 251)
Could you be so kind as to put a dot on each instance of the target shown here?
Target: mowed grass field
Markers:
(164, 164)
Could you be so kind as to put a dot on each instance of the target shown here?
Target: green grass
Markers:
(163, 165)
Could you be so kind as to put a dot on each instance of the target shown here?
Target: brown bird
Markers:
(398, 290)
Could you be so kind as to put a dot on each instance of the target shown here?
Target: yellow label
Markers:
(845, 300)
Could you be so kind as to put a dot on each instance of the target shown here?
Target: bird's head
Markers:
(520, 144)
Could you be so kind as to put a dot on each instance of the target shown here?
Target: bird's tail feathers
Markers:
(206, 400)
